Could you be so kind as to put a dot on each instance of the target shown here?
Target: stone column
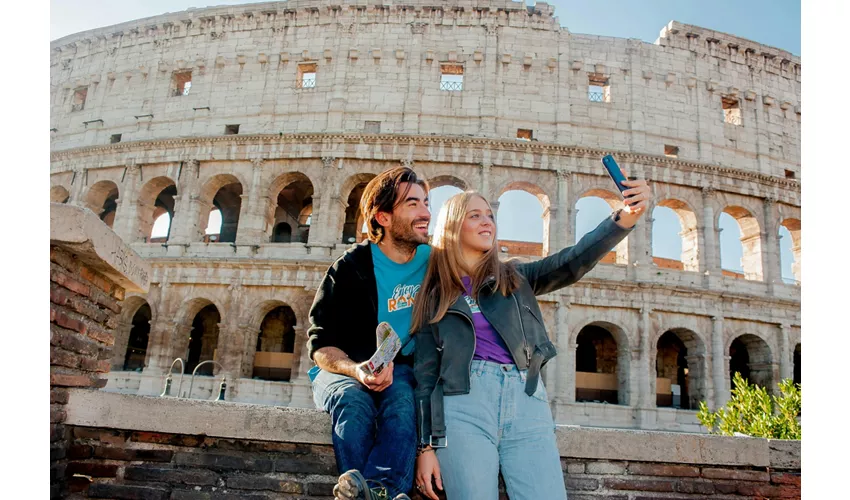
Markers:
(249, 349)
(230, 352)
(184, 226)
(484, 183)
(719, 363)
(786, 353)
(251, 230)
(554, 370)
(640, 248)
(489, 103)
(161, 349)
(413, 98)
(325, 218)
(771, 267)
(78, 184)
(126, 214)
(302, 396)
(568, 364)
(119, 349)
(710, 240)
(559, 220)
(643, 375)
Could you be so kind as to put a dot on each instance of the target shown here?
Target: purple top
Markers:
(489, 346)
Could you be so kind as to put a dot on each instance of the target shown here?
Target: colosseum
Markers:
(273, 116)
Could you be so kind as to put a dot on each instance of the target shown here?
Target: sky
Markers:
(771, 22)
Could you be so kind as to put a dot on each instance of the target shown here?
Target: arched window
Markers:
(437, 197)
(203, 341)
(750, 356)
(675, 237)
(275, 345)
(789, 250)
(602, 364)
(740, 244)
(294, 208)
(679, 370)
(156, 210)
(520, 225)
(137, 344)
(282, 233)
(593, 208)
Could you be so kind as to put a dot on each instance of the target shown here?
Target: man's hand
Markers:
(428, 467)
(637, 200)
(377, 382)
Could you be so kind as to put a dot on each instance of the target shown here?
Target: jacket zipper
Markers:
(474, 339)
(522, 328)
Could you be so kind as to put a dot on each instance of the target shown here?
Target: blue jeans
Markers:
(497, 425)
(373, 432)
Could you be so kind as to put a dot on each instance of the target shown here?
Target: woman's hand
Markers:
(638, 197)
(428, 467)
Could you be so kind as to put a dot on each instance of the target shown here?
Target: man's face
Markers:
(411, 216)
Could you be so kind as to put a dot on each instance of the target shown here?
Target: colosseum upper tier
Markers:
(277, 114)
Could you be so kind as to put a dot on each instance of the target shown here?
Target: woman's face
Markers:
(479, 227)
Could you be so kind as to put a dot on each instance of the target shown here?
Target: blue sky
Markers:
(775, 22)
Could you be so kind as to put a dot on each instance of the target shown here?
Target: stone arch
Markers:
(620, 253)
(205, 319)
(130, 328)
(291, 194)
(610, 382)
(689, 257)
(273, 342)
(449, 180)
(102, 199)
(222, 192)
(520, 247)
(156, 197)
(751, 355)
(751, 240)
(350, 193)
(793, 227)
(688, 368)
(59, 194)
(190, 308)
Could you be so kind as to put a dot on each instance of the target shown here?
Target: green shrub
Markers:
(752, 411)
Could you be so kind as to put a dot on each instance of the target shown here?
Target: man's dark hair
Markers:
(381, 194)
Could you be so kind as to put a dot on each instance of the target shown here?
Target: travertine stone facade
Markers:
(327, 95)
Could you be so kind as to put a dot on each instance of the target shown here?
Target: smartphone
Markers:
(615, 173)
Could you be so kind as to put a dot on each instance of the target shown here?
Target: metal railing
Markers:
(451, 86)
(596, 96)
(732, 118)
(307, 83)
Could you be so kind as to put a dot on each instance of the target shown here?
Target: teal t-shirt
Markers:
(398, 285)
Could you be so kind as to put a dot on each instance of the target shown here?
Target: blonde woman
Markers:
(480, 343)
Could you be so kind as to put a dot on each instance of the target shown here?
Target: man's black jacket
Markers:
(345, 311)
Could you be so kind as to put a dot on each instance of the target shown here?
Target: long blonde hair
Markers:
(443, 280)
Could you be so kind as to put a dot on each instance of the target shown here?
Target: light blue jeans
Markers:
(497, 425)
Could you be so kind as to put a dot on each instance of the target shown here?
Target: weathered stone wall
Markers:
(244, 63)
(136, 447)
(382, 63)
(87, 285)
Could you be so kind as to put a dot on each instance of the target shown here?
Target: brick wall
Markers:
(105, 463)
(84, 308)
(90, 271)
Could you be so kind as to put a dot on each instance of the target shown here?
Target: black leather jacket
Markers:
(444, 350)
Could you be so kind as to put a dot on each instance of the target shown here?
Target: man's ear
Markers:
(383, 219)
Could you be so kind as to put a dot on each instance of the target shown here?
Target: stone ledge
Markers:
(269, 423)
(80, 232)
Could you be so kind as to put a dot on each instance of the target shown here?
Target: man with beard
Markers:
(373, 416)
